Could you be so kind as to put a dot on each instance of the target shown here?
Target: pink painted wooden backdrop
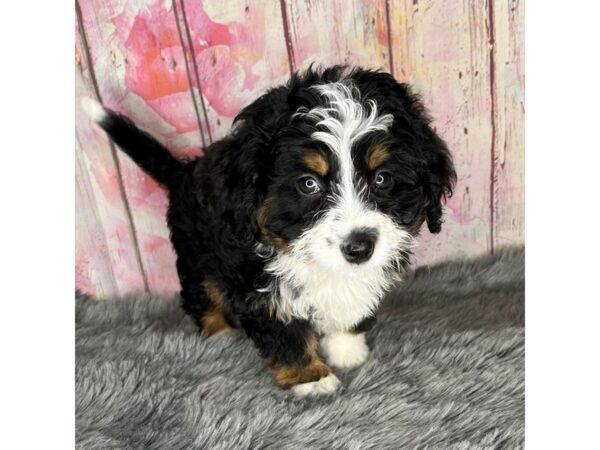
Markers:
(184, 68)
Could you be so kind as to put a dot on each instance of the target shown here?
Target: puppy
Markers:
(294, 226)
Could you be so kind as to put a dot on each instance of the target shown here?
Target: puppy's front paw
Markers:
(345, 350)
(314, 378)
(325, 385)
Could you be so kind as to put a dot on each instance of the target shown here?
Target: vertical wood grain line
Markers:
(195, 67)
(189, 76)
(389, 36)
(493, 109)
(94, 207)
(287, 36)
(113, 150)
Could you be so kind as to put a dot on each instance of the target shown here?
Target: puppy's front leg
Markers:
(347, 349)
(290, 351)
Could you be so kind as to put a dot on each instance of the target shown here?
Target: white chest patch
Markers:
(331, 302)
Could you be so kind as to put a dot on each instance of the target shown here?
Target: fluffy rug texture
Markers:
(446, 371)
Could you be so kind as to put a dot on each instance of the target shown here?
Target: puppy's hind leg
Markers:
(205, 302)
(215, 319)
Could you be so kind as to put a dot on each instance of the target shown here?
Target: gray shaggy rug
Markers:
(446, 372)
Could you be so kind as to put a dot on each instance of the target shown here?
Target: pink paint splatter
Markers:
(228, 57)
(153, 51)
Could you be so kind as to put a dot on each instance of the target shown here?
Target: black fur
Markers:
(149, 154)
(215, 200)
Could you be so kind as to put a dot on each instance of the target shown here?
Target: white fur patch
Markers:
(312, 279)
(344, 122)
(93, 109)
(325, 385)
(345, 350)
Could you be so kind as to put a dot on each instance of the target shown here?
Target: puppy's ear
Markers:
(412, 127)
(265, 115)
(441, 177)
(255, 130)
(241, 173)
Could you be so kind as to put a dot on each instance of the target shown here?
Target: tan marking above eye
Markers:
(376, 156)
(315, 162)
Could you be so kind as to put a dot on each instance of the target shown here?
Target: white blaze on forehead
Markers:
(341, 124)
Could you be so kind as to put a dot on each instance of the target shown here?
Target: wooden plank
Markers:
(338, 31)
(93, 269)
(509, 121)
(141, 71)
(441, 48)
(238, 50)
(106, 263)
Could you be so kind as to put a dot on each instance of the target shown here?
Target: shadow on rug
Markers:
(446, 371)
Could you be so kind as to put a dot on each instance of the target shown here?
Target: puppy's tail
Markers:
(146, 151)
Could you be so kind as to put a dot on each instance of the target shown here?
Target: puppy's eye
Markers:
(308, 185)
(382, 180)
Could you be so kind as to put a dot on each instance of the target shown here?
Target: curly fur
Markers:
(275, 258)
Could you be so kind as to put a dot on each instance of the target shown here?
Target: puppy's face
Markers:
(348, 185)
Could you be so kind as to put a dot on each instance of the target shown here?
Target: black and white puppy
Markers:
(294, 226)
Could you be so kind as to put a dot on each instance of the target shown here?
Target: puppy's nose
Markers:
(358, 246)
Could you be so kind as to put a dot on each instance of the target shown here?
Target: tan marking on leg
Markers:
(287, 377)
(213, 320)
(312, 345)
(316, 162)
(376, 156)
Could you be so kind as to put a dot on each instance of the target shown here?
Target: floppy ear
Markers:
(240, 175)
(441, 177)
(255, 129)
(412, 127)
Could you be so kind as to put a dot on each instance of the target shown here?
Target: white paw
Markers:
(345, 350)
(325, 385)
